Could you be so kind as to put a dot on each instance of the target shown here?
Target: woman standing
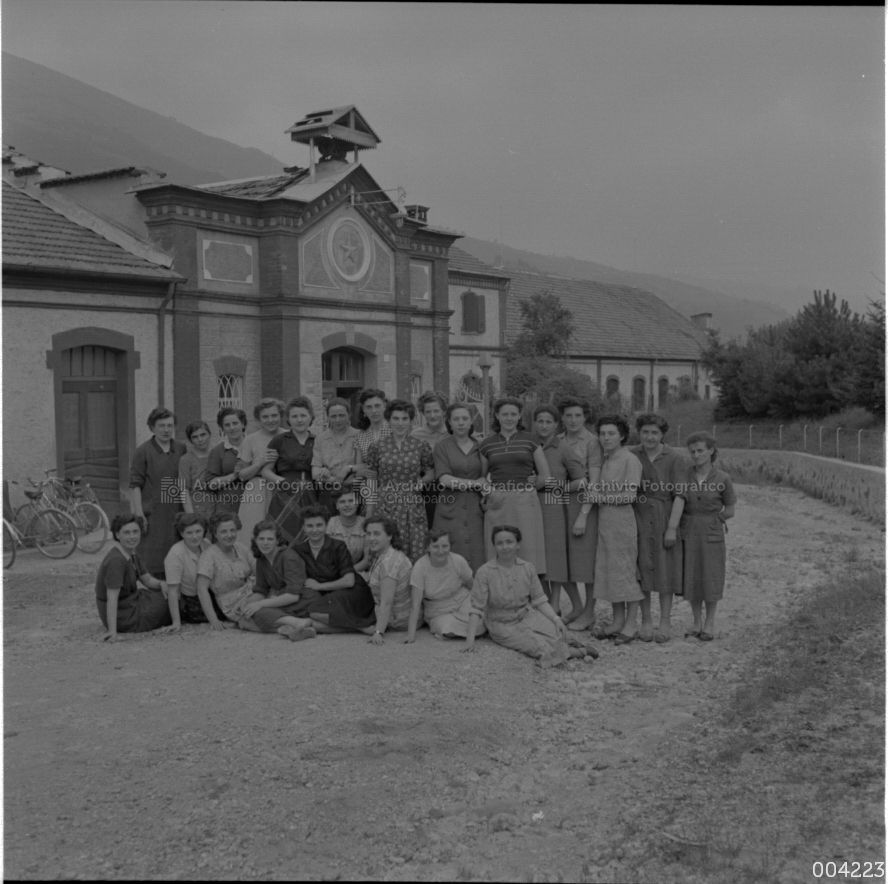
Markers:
(389, 577)
(658, 510)
(517, 468)
(566, 475)
(441, 586)
(616, 563)
(582, 516)
(193, 471)
(709, 502)
(253, 457)
(461, 471)
(223, 480)
(431, 406)
(372, 424)
(123, 605)
(348, 527)
(402, 466)
(288, 479)
(508, 596)
(334, 459)
(153, 477)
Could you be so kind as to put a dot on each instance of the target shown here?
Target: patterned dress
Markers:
(660, 568)
(459, 512)
(230, 579)
(508, 600)
(398, 471)
(581, 550)
(394, 564)
(616, 563)
(703, 534)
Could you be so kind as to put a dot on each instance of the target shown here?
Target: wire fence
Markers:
(859, 446)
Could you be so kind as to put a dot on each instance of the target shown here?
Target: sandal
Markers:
(693, 634)
(706, 636)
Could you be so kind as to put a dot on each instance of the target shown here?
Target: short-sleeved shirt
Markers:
(353, 536)
(661, 477)
(564, 463)
(286, 574)
(451, 460)
(228, 576)
(620, 475)
(504, 594)
(118, 571)
(333, 561)
(426, 435)
(180, 566)
(443, 588)
(587, 447)
(393, 563)
(509, 460)
(709, 497)
(294, 458)
(333, 454)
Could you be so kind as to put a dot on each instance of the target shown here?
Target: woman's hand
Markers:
(579, 527)
(164, 589)
(269, 456)
(218, 626)
(251, 608)
(562, 629)
(164, 630)
(376, 639)
(669, 538)
(311, 583)
(410, 639)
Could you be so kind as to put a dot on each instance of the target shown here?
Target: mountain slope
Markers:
(60, 121)
(730, 314)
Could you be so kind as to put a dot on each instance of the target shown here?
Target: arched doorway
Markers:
(662, 392)
(342, 372)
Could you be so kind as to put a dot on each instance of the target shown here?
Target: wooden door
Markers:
(89, 403)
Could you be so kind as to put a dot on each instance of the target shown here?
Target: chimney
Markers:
(702, 320)
(417, 213)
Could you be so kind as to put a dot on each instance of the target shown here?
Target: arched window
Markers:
(662, 392)
(612, 386)
(231, 391)
(473, 313)
(638, 394)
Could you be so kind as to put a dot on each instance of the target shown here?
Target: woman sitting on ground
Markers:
(348, 527)
(508, 596)
(441, 586)
(123, 605)
(339, 598)
(228, 568)
(180, 566)
(389, 577)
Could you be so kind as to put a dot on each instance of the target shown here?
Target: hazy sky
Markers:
(723, 142)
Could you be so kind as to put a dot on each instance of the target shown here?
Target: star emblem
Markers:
(348, 251)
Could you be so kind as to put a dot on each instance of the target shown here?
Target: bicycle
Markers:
(90, 518)
(53, 532)
(70, 489)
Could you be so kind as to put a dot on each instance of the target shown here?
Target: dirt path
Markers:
(233, 755)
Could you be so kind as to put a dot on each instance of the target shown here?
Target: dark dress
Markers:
(285, 575)
(703, 535)
(459, 512)
(294, 467)
(346, 608)
(138, 609)
(565, 466)
(660, 568)
(156, 472)
(222, 462)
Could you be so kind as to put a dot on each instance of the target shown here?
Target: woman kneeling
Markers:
(508, 595)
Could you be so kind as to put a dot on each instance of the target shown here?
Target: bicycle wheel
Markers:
(92, 527)
(23, 516)
(54, 533)
(8, 546)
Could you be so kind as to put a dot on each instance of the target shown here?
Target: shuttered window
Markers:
(473, 313)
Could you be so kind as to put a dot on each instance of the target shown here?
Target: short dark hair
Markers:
(345, 489)
(218, 518)
(547, 409)
(224, 412)
(369, 393)
(436, 534)
(390, 526)
(703, 436)
(507, 400)
(258, 528)
(186, 520)
(399, 405)
(315, 511)
(575, 402)
(431, 396)
(194, 426)
(124, 519)
(656, 419)
(159, 414)
(618, 421)
(266, 403)
(299, 402)
(338, 400)
(453, 407)
(498, 529)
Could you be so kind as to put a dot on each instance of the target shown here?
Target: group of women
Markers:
(431, 525)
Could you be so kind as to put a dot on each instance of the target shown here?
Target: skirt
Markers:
(534, 635)
(459, 513)
(581, 550)
(660, 568)
(347, 608)
(454, 622)
(521, 510)
(555, 528)
(141, 611)
(191, 610)
(704, 558)
(616, 563)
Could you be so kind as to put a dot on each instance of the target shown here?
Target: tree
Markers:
(547, 328)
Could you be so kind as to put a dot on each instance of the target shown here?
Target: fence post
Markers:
(838, 430)
(678, 435)
(820, 435)
(805, 437)
(780, 435)
(750, 435)
(858, 445)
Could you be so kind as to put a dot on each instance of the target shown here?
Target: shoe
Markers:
(661, 639)
(693, 634)
(646, 633)
(299, 633)
(591, 652)
(624, 639)
(663, 634)
(706, 636)
(599, 633)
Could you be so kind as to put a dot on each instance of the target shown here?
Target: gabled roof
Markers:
(35, 235)
(462, 262)
(121, 172)
(610, 321)
(296, 184)
(257, 188)
(336, 122)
